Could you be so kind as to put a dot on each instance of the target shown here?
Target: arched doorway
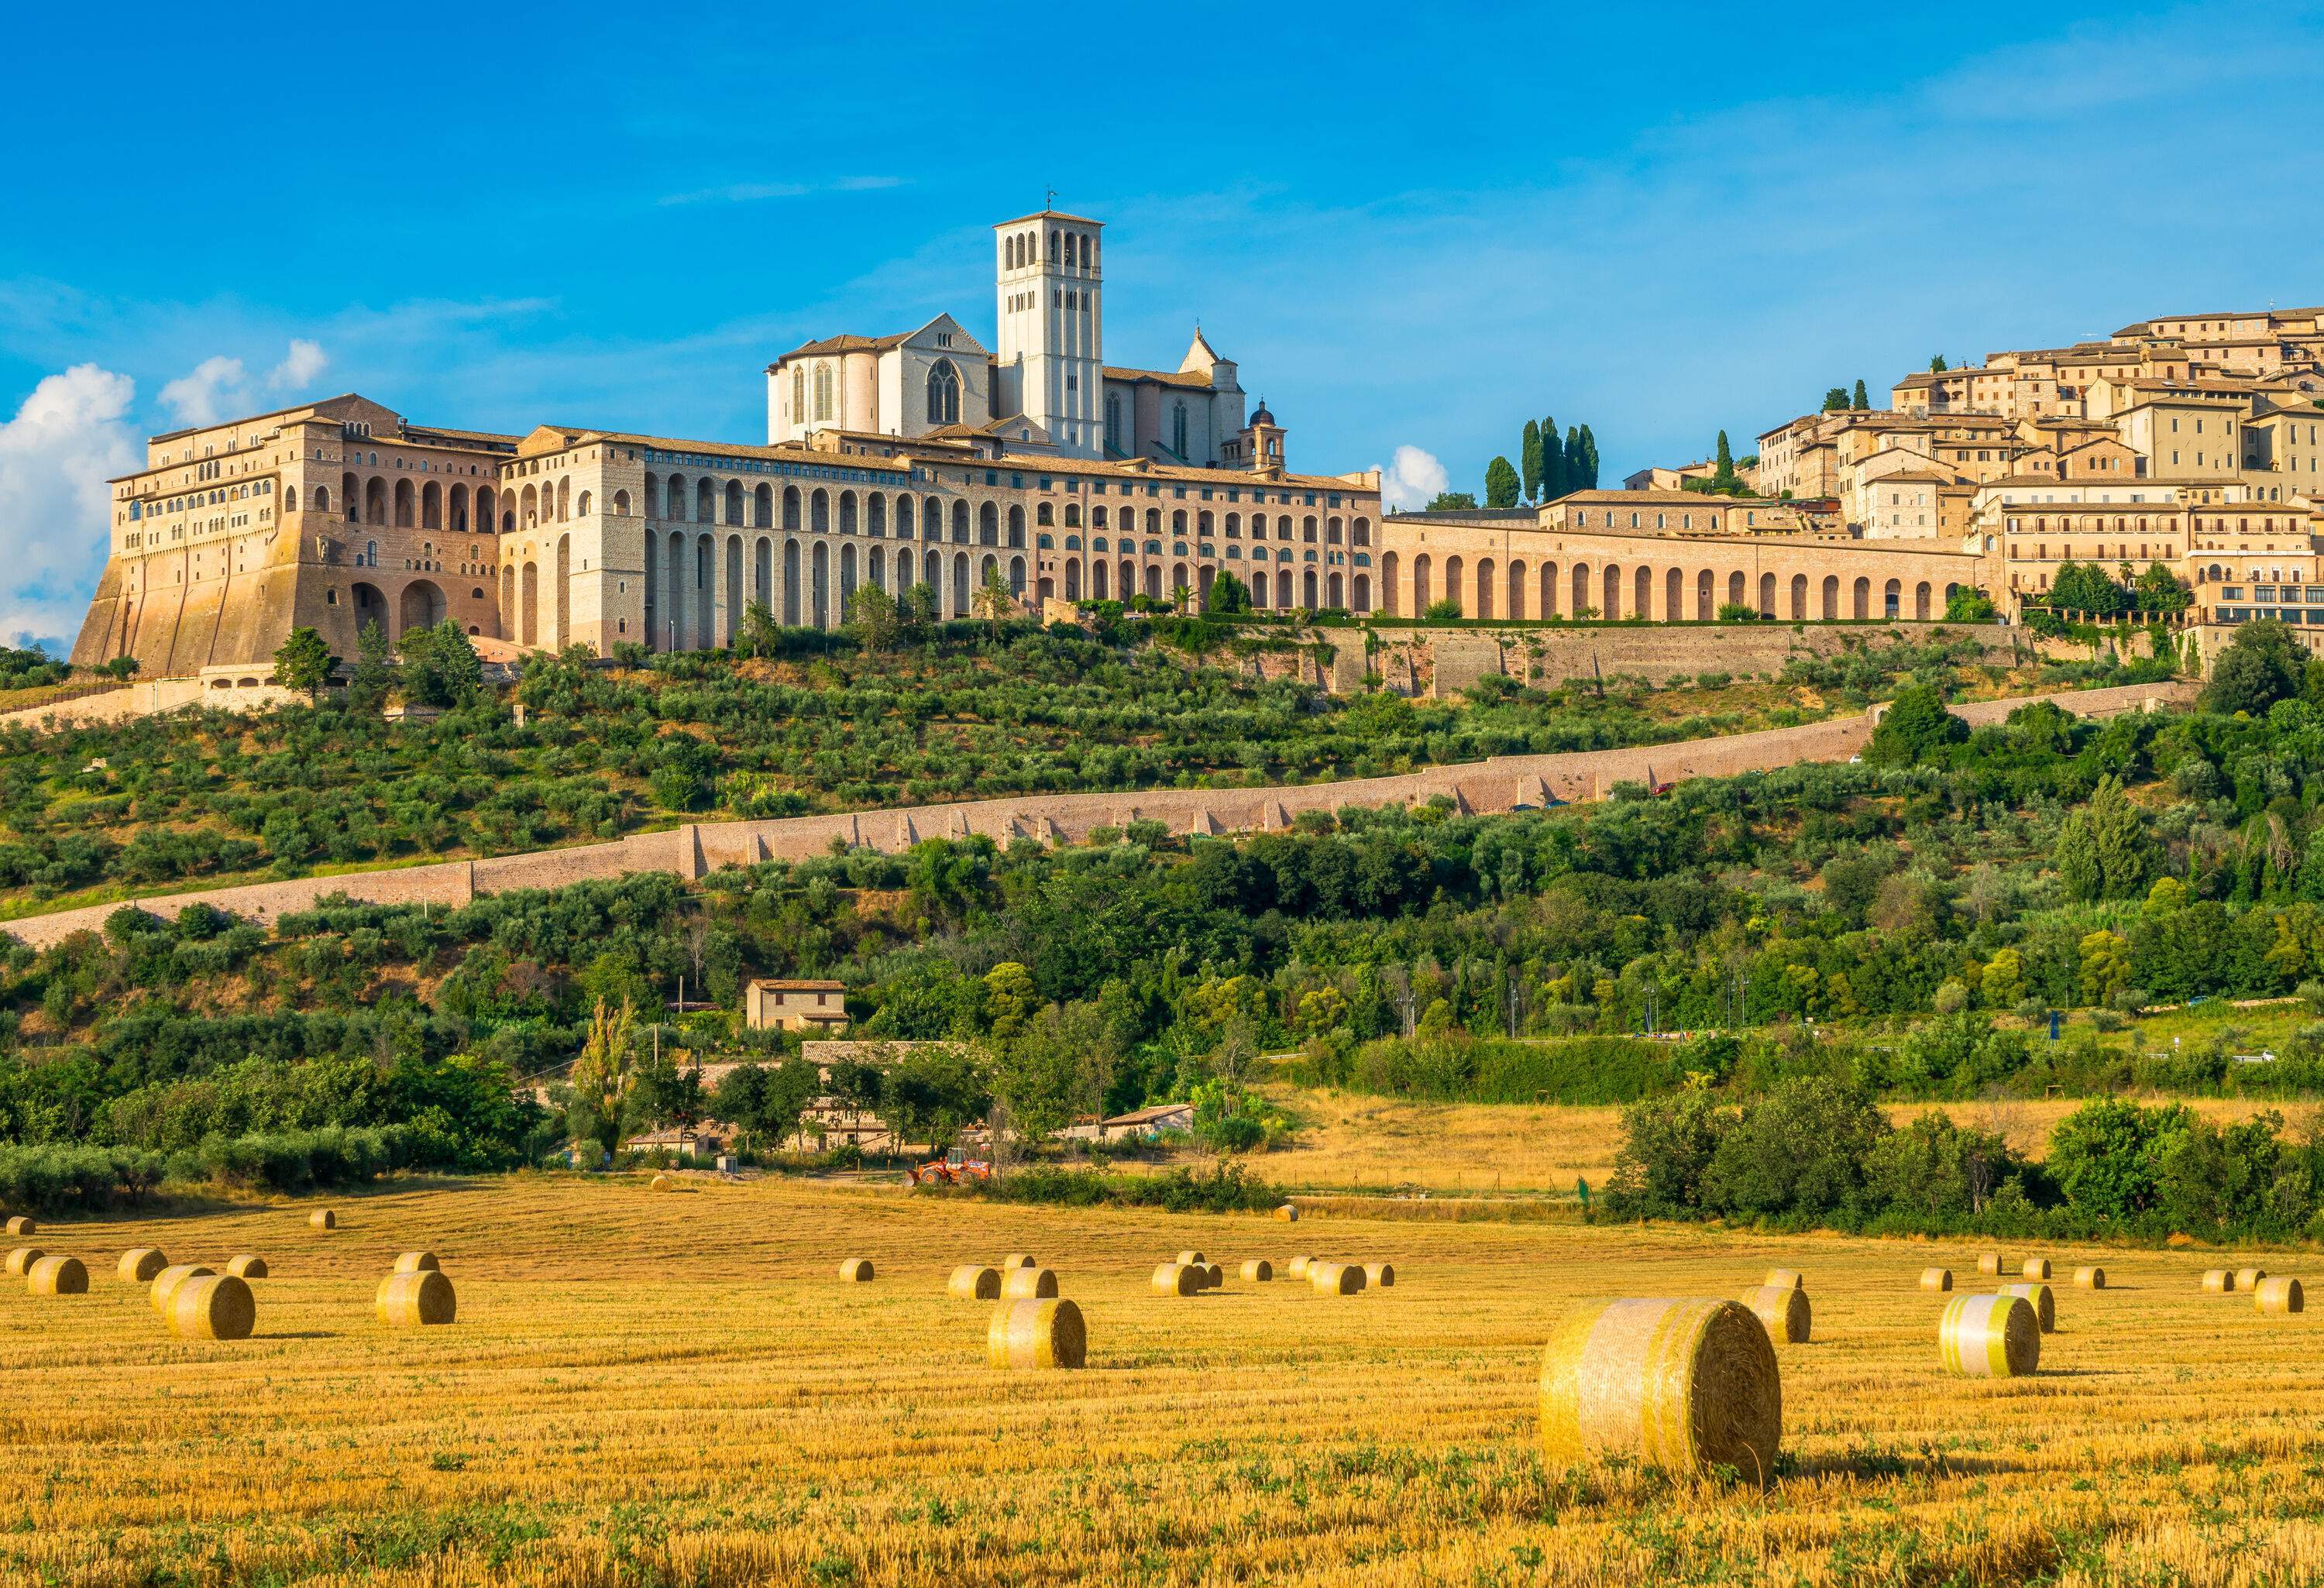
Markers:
(421, 607)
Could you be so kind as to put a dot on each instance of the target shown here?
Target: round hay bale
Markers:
(1215, 1276)
(2035, 1267)
(21, 1260)
(165, 1284)
(139, 1264)
(856, 1271)
(1298, 1266)
(660, 1183)
(1988, 1263)
(1788, 1279)
(1682, 1386)
(1017, 1259)
(22, 1225)
(218, 1307)
(247, 1266)
(1258, 1270)
(1936, 1279)
(1783, 1309)
(2220, 1281)
(1029, 1285)
(970, 1282)
(2278, 1295)
(415, 1300)
(57, 1275)
(1195, 1258)
(322, 1219)
(1029, 1333)
(1178, 1279)
(1336, 1279)
(2248, 1279)
(1989, 1337)
(1379, 1276)
(2045, 1304)
(2091, 1279)
(418, 1263)
(1288, 1214)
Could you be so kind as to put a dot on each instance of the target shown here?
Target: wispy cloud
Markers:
(760, 192)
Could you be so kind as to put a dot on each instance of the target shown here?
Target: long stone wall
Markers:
(1495, 785)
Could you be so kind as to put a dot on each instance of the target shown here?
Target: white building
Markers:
(1044, 388)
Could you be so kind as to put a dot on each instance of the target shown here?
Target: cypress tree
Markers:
(1589, 459)
(1500, 484)
(1723, 462)
(1529, 459)
(1863, 403)
(1553, 463)
(1574, 476)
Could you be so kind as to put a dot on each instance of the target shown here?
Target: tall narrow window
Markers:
(823, 391)
(1178, 431)
(798, 393)
(944, 393)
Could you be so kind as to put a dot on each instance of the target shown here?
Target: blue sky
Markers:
(1412, 227)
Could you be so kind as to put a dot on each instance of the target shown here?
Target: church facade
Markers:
(921, 458)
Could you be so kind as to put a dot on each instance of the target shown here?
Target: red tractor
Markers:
(951, 1169)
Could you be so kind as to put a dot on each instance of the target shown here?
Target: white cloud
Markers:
(70, 436)
(1412, 480)
(212, 392)
(300, 366)
(755, 192)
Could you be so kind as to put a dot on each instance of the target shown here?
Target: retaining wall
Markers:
(1499, 784)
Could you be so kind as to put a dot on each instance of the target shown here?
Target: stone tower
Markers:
(1050, 366)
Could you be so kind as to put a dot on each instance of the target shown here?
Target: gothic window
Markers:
(799, 392)
(823, 391)
(1113, 419)
(1178, 429)
(944, 393)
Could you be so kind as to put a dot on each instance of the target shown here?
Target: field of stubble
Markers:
(672, 1388)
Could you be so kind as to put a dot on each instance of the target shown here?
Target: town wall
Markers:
(694, 850)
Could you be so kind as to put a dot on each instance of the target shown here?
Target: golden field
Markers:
(675, 1388)
(1363, 1141)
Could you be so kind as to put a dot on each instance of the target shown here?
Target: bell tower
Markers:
(1048, 288)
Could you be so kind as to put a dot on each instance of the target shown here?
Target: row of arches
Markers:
(697, 585)
(427, 504)
(1489, 589)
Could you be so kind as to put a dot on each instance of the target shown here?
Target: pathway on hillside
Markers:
(1499, 784)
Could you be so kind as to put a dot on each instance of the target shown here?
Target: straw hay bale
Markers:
(1195, 1258)
(57, 1275)
(1029, 1333)
(1789, 1279)
(22, 1225)
(1298, 1266)
(1336, 1279)
(418, 1263)
(856, 1271)
(2220, 1281)
(1017, 1259)
(1259, 1270)
(165, 1284)
(1989, 1337)
(661, 1183)
(969, 1282)
(2035, 1267)
(322, 1219)
(1936, 1279)
(2045, 1304)
(1783, 1309)
(1214, 1276)
(218, 1307)
(247, 1266)
(1288, 1214)
(21, 1260)
(2091, 1279)
(1988, 1263)
(2249, 1279)
(2278, 1295)
(1028, 1284)
(1681, 1386)
(1178, 1279)
(414, 1300)
(139, 1264)
(1379, 1276)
